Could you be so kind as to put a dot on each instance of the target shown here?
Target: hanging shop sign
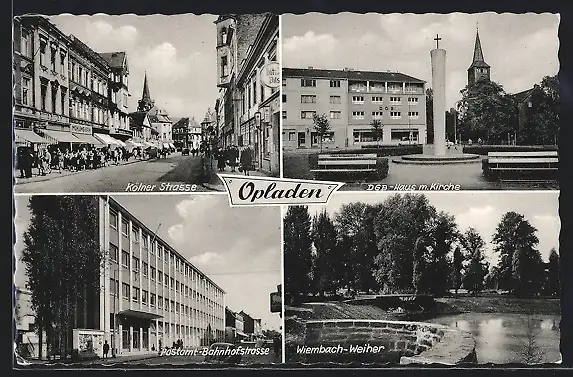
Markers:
(270, 75)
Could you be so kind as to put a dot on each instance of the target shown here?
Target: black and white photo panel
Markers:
(423, 278)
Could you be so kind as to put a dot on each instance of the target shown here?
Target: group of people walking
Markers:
(46, 160)
(235, 158)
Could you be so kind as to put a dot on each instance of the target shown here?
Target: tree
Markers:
(297, 251)
(541, 114)
(326, 262)
(430, 114)
(63, 260)
(321, 126)
(477, 267)
(355, 227)
(377, 129)
(515, 234)
(553, 285)
(442, 232)
(457, 269)
(399, 223)
(487, 112)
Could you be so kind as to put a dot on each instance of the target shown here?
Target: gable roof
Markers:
(137, 119)
(114, 59)
(349, 75)
(522, 96)
(478, 59)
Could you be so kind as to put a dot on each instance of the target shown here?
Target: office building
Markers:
(351, 100)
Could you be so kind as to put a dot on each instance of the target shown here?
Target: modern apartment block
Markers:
(150, 294)
(351, 100)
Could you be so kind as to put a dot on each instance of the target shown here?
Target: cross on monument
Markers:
(437, 39)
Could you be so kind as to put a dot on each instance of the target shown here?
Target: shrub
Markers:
(484, 149)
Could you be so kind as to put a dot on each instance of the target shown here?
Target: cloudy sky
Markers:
(178, 53)
(521, 49)
(481, 210)
(238, 248)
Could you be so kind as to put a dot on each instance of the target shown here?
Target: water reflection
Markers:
(510, 338)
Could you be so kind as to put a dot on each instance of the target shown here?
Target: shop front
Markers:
(269, 134)
(85, 134)
(136, 332)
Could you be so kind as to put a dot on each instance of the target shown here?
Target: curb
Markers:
(46, 178)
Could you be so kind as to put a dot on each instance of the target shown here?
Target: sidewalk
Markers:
(216, 184)
(107, 361)
(56, 174)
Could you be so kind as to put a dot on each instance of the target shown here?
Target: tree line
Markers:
(405, 245)
(62, 260)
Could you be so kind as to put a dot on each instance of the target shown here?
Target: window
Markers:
(113, 252)
(124, 227)
(135, 296)
(135, 262)
(284, 98)
(307, 98)
(308, 82)
(166, 280)
(43, 94)
(307, 114)
(377, 99)
(159, 277)
(125, 290)
(135, 234)
(26, 44)
(43, 45)
(412, 100)
(335, 114)
(177, 308)
(144, 296)
(63, 101)
(357, 100)
(144, 241)
(160, 302)
(335, 99)
(145, 269)
(177, 286)
(358, 115)
(172, 306)
(125, 258)
(377, 115)
(224, 66)
(284, 114)
(152, 298)
(291, 136)
(404, 135)
(152, 272)
(335, 83)
(395, 114)
(284, 82)
(54, 98)
(26, 91)
(358, 87)
(114, 286)
(171, 282)
(62, 62)
(413, 114)
(395, 100)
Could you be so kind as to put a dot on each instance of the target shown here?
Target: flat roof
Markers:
(350, 75)
(159, 239)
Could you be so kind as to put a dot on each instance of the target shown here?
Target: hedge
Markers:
(484, 149)
(382, 167)
(382, 150)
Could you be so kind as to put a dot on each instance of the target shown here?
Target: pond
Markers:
(510, 338)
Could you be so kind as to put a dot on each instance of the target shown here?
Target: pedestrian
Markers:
(105, 349)
(233, 157)
(246, 161)
(21, 161)
(220, 159)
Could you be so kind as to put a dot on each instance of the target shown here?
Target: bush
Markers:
(388, 150)
(382, 167)
(484, 149)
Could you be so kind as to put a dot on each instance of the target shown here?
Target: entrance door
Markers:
(301, 139)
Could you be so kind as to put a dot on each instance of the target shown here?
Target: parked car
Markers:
(223, 358)
(185, 152)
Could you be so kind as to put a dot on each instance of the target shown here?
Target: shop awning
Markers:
(171, 145)
(106, 139)
(29, 136)
(132, 144)
(88, 139)
(139, 314)
(240, 333)
(119, 142)
(61, 136)
(166, 145)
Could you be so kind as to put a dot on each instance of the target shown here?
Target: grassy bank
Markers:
(502, 305)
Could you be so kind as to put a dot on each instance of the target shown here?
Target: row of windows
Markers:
(154, 300)
(311, 98)
(358, 115)
(360, 136)
(363, 87)
(81, 75)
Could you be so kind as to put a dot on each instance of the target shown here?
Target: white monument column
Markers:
(438, 57)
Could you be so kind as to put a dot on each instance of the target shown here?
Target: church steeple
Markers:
(479, 69)
(145, 103)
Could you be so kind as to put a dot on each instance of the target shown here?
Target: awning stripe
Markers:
(61, 136)
(29, 136)
(106, 139)
(88, 139)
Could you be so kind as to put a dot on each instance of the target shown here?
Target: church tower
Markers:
(145, 103)
(479, 69)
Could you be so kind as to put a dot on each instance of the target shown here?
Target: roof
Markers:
(181, 123)
(478, 60)
(350, 75)
(114, 59)
(137, 118)
(522, 96)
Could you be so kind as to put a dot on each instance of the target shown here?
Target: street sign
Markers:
(270, 75)
(276, 302)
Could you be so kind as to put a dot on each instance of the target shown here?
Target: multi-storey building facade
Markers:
(249, 110)
(187, 133)
(118, 93)
(151, 295)
(352, 100)
(64, 92)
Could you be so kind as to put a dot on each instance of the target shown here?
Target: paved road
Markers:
(194, 360)
(174, 169)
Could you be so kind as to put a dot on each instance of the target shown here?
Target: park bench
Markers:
(345, 164)
(519, 166)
